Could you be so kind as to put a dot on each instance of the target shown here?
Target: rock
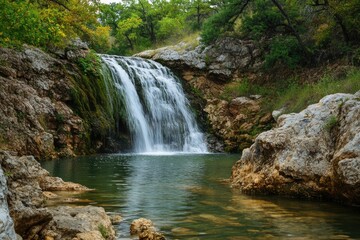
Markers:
(34, 117)
(7, 231)
(276, 113)
(77, 49)
(313, 154)
(26, 181)
(49, 183)
(116, 219)
(226, 57)
(238, 121)
(145, 229)
(83, 223)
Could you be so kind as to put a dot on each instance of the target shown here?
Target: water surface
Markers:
(186, 197)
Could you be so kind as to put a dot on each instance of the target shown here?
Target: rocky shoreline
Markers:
(311, 154)
(26, 190)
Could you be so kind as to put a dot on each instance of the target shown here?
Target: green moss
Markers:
(103, 230)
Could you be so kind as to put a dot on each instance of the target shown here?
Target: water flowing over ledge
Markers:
(157, 112)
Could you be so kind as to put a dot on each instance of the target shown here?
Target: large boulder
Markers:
(79, 223)
(312, 154)
(26, 182)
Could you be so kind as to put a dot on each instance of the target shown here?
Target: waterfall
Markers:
(158, 113)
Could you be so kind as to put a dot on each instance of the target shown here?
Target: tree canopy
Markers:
(292, 31)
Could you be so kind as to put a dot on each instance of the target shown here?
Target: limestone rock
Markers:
(34, 117)
(145, 229)
(315, 153)
(226, 57)
(26, 181)
(237, 121)
(80, 223)
(7, 231)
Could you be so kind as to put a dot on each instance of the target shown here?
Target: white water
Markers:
(158, 112)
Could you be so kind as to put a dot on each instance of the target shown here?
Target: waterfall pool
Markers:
(186, 197)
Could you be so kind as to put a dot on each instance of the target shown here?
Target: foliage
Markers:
(285, 51)
(49, 23)
(293, 95)
(90, 64)
(290, 31)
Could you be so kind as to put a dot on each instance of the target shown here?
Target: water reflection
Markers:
(185, 197)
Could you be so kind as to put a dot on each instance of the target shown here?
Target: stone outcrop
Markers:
(34, 118)
(53, 105)
(145, 229)
(79, 223)
(7, 231)
(222, 61)
(237, 121)
(27, 181)
(315, 153)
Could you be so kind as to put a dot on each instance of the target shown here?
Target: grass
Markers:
(104, 232)
(330, 123)
(291, 94)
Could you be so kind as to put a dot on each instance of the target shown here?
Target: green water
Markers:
(186, 197)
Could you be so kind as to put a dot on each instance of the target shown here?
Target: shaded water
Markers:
(185, 197)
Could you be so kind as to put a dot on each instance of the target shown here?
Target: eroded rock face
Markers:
(315, 153)
(237, 121)
(221, 61)
(7, 231)
(34, 116)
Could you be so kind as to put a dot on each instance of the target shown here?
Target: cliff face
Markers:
(7, 231)
(206, 72)
(37, 101)
(312, 154)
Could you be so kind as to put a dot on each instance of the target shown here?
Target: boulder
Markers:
(312, 154)
(145, 229)
(80, 223)
(26, 181)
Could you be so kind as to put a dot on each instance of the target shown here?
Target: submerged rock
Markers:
(313, 154)
(145, 229)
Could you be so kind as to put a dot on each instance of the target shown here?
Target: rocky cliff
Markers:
(49, 105)
(312, 154)
(206, 72)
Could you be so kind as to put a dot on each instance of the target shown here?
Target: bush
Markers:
(284, 50)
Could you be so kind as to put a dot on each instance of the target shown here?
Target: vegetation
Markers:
(51, 23)
(292, 94)
(330, 123)
(291, 32)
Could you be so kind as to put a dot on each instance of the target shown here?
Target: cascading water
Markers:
(158, 113)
